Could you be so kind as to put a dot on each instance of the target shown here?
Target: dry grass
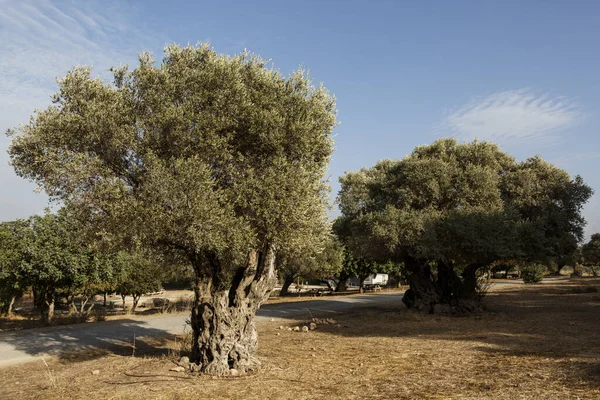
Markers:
(534, 342)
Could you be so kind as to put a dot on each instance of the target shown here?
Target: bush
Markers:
(578, 271)
(533, 273)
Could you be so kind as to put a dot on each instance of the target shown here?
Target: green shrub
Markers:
(579, 270)
(533, 273)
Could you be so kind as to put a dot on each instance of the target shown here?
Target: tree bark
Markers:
(469, 286)
(136, 299)
(224, 333)
(9, 312)
(361, 285)
(287, 282)
(422, 294)
(123, 298)
(48, 313)
(104, 304)
(448, 284)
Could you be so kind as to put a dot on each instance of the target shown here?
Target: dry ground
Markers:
(534, 342)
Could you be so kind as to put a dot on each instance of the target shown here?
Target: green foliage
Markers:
(320, 259)
(591, 252)
(469, 203)
(12, 247)
(138, 275)
(533, 273)
(461, 206)
(203, 155)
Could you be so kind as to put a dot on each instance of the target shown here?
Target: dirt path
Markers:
(29, 345)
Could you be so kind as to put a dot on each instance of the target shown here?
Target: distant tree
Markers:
(218, 159)
(533, 273)
(12, 249)
(591, 253)
(139, 275)
(449, 209)
(320, 261)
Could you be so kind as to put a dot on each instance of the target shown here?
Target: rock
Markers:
(234, 372)
(96, 372)
(272, 320)
(177, 369)
(281, 327)
(278, 333)
(313, 326)
(184, 361)
(289, 329)
(296, 329)
(305, 328)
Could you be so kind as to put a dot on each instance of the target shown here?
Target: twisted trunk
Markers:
(422, 294)
(224, 333)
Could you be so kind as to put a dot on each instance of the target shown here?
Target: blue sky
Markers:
(522, 74)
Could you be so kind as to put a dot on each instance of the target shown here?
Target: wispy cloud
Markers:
(41, 40)
(513, 116)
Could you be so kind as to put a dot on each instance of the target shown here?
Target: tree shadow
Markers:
(546, 322)
(84, 341)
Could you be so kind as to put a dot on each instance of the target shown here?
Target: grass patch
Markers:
(533, 342)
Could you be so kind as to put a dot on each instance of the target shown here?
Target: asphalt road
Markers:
(29, 345)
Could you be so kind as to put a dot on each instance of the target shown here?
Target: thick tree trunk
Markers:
(448, 284)
(342, 283)
(123, 299)
(224, 334)
(287, 282)
(422, 295)
(469, 286)
(104, 304)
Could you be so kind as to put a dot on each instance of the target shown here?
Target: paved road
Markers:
(29, 345)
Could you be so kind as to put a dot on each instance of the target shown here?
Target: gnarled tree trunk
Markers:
(422, 294)
(224, 334)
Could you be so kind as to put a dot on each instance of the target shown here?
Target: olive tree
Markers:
(218, 159)
(449, 209)
(591, 253)
(320, 261)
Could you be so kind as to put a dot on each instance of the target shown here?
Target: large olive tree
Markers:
(216, 159)
(449, 209)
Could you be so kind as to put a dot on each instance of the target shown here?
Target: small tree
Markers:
(320, 262)
(591, 253)
(533, 273)
(139, 276)
(12, 247)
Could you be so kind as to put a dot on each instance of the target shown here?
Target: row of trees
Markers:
(50, 256)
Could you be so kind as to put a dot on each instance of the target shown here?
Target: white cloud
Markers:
(41, 40)
(513, 116)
